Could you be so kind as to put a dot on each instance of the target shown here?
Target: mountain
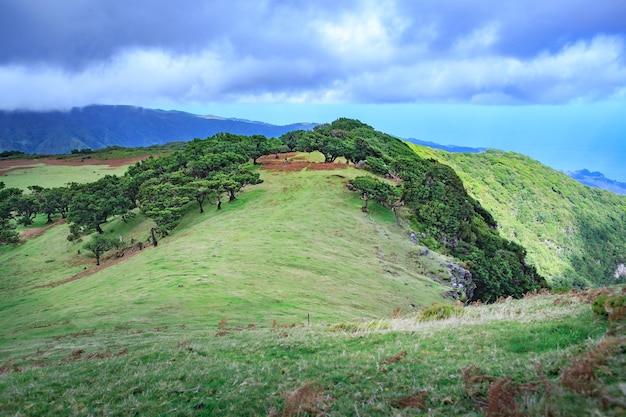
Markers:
(592, 179)
(447, 148)
(598, 180)
(99, 126)
(574, 235)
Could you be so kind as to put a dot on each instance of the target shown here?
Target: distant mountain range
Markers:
(447, 148)
(99, 126)
(598, 180)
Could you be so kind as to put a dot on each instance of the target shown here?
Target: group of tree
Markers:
(210, 170)
(207, 170)
(434, 200)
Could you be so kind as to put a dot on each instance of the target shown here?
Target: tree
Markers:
(163, 202)
(8, 234)
(256, 146)
(276, 146)
(27, 207)
(202, 189)
(232, 182)
(92, 204)
(100, 244)
(372, 189)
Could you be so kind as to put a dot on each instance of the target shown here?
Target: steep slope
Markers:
(98, 126)
(574, 234)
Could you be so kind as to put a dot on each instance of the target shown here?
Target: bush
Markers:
(611, 306)
(440, 312)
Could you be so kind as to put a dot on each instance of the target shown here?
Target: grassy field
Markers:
(530, 355)
(48, 176)
(287, 300)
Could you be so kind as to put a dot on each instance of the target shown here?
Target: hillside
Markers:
(293, 245)
(295, 298)
(99, 126)
(574, 234)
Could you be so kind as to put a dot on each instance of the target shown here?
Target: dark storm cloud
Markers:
(77, 51)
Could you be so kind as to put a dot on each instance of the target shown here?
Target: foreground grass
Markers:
(377, 368)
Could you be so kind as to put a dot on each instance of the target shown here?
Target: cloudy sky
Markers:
(544, 78)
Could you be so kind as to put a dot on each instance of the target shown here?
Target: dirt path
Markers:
(289, 162)
(104, 263)
(38, 231)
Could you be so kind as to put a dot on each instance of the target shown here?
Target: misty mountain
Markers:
(99, 126)
(598, 180)
(447, 148)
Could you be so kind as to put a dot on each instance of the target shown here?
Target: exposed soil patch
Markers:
(289, 162)
(38, 231)
(103, 264)
(9, 165)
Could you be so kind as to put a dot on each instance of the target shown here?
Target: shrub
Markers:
(611, 306)
(440, 312)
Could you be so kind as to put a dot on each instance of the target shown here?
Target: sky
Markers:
(543, 78)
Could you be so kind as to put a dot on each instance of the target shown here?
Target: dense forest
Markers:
(575, 235)
(427, 196)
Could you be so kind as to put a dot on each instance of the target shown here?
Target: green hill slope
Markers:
(296, 244)
(574, 234)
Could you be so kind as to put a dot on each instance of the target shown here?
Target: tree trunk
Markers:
(200, 204)
(232, 196)
(49, 219)
(219, 205)
(154, 239)
(99, 229)
(97, 258)
(364, 208)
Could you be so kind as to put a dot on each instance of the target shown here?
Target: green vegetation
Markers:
(575, 235)
(287, 299)
(544, 355)
(49, 176)
(434, 199)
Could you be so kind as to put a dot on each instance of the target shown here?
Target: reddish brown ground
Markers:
(289, 162)
(105, 262)
(38, 231)
(9, 165)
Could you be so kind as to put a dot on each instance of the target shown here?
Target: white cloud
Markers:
(363, 61)
(584, 70)
(367, 36)
(479, 41)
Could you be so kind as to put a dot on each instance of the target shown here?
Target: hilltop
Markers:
(574, 234)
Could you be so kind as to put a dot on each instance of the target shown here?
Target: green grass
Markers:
(48, 176)
(190, 370)
(293, 246)
(143, 336)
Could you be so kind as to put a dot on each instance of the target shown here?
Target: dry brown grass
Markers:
(395, 358)
(414, 400)
(306, 399)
